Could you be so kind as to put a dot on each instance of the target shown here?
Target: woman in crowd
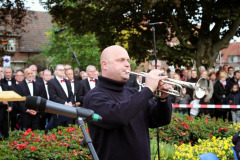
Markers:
(219, 95)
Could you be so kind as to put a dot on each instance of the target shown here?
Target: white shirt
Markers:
(0, 88)
(64, 85)
(46, 87)
(91, 83)
(30, 86)
(9, 82)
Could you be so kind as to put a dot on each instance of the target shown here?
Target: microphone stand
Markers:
(87, 139)
(154, 51)
(73, 57)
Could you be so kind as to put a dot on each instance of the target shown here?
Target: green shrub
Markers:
(187, 130)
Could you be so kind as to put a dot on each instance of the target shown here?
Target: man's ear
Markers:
(104, 65)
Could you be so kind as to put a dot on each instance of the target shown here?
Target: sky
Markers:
(34, 5)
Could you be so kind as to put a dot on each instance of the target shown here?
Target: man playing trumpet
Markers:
(127, 114)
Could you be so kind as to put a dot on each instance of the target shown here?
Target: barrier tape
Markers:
(224, 106)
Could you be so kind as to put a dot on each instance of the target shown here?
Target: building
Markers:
(29, 42)
(230, 56)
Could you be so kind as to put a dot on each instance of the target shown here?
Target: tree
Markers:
(58, 52)
(202, 27)
(13, 17)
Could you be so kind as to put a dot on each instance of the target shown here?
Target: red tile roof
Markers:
(232, 50)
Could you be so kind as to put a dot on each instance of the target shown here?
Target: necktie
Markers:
(30, 81)
(72, 81)
(92, 80)
(46, 83)
(63, 80)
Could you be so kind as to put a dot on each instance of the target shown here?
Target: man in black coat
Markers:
(87, 84)
(4, 109)
(47, 75)
(19, 77)
(29, 118)
(127, 114)
(8, 78)
(60, 91)
(74, 85)
(35, 72)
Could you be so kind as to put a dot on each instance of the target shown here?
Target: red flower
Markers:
(14, 142)
(210, 135)
(53, 137)
(181, 142)
(59, 132)
(33, 148)
(191, 141)
(226, 128)
(29, 130)
(21, 146)
(33, 134)
(25, 134)
(70, 129)
(206, 119)
(189, 118)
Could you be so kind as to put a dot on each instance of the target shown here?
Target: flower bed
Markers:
(63, 143)
(187, 130)
(221, 147)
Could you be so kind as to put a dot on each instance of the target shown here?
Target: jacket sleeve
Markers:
(210, 91)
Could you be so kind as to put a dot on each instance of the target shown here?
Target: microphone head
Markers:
(35, 103)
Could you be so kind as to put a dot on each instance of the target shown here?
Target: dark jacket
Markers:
(24, 91)
(234, 97)
(219, 93)
(56, 92)
(83, 89)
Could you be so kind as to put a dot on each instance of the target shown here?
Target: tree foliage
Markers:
(57, 50)
(202, 28)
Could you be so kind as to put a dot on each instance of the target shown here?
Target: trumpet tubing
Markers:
(200, 87)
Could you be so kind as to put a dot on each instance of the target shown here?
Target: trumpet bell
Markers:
(201, 87)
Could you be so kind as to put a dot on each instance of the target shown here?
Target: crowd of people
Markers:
(222, 88)
(65, 86)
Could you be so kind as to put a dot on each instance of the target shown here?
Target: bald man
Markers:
(127, 114)
(28, 87)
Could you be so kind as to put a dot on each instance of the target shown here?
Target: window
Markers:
(235, 59)
(10, 46)
(230, 59)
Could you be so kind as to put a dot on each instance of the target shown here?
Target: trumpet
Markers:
(200, 87)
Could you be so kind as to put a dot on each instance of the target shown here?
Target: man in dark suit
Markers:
(47, 75)
(30, 118)
(87, 84)
(8, 79)
(74, 84)
(60, 91)
(4, 109)
(19, 77)
(35, 72)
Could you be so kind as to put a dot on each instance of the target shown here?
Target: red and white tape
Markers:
(224, 106)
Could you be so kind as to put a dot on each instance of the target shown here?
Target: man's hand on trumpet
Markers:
(153, 82)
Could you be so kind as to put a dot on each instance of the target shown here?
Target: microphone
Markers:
(60, 30)
(42, 105)
(152, 24)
